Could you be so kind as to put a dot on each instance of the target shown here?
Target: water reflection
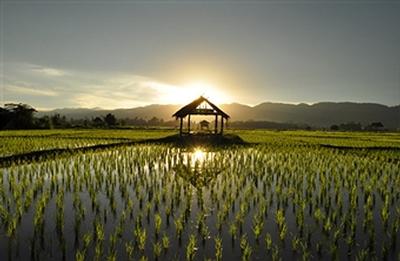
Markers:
(198, 158)
(198, 166)
(198, 155)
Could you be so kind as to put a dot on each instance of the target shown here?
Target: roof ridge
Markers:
(191, 107)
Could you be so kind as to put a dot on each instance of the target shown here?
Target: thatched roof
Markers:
(191, 108)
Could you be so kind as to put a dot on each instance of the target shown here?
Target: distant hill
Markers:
(146, 112)
(323, 114)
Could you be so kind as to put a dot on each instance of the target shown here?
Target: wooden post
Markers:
(189, 124)
(222, 125)
(180, 127)
(216, 124)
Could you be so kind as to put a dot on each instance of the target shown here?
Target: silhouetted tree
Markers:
(86, 123)
(43, 122)
(17, 116)
(334, 127)
(351, 126)
(5, 117)
(375, 126)
(154, 121)
(98, 122)
(110, 120)
(58, 121)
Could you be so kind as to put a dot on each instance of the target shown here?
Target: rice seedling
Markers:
(143, 258)
(258, 226)
(191, 248)
(233, 230)
(246, 251)
(178, 227)
(218, 249)
(98, 250)
(11, 227)
(141, 236)
(268, 242)
(157, 248)
(112, 256)
(165, 242)
(327, 203)
(275, 254)
(80, 255)
(296, 244)
(99, 232)
(281, 222)
(129, 248)
(157, 223)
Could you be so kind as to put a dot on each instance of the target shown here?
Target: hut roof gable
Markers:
(192, 108)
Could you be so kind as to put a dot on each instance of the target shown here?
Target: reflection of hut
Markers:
(201, 106)
(204, 125)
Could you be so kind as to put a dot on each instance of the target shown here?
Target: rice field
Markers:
(284, 196)
(20, 142)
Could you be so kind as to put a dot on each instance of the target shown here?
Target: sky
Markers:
(126, 54)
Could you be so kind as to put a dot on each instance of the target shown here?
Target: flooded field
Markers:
(262, 201)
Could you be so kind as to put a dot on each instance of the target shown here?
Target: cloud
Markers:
(119, 92)
(72, 88)
(46, 70)
(30, 91)
(50, 71)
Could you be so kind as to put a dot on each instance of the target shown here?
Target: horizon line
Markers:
(221, 104)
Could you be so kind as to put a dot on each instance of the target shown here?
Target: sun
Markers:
(185, 93)
(196, 89)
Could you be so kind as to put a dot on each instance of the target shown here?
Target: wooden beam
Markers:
(203, 111)
(189, 123)
(206, 112)
(222, 125)
(216, 124)
(180, 128)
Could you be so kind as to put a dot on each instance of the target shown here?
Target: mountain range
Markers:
(322, 114)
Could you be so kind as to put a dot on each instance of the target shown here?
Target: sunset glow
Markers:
(188, 92)
(196, 89)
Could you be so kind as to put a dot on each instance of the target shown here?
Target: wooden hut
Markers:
(204, 125)
(201, 106)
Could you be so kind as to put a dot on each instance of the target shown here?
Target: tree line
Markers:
(353, 126)
(21, 116)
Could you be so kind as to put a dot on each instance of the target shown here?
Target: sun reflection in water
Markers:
(198, 155)
(197, 158)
